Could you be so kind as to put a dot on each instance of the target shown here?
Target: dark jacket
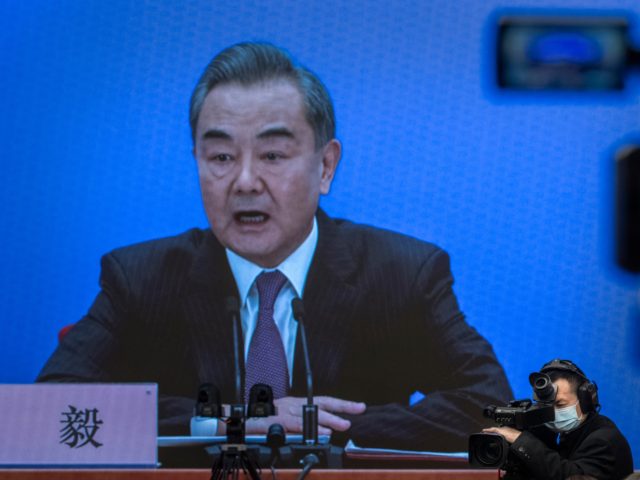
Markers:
(382, 322)
(596, 448)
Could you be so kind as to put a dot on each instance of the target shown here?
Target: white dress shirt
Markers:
(295, 267)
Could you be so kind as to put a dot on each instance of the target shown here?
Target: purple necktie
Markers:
(266, 360)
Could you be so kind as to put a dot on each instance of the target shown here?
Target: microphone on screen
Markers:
(309, 411)
(233, 312)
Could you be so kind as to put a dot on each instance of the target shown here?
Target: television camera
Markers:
(491, 450)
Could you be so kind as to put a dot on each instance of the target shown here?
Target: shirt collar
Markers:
(295, 267)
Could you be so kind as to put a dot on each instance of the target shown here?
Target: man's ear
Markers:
(330, 157)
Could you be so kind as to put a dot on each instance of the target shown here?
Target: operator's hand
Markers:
(509, 434)
(290, 415)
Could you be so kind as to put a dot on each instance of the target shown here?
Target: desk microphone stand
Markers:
(235, 456)
(310, 452)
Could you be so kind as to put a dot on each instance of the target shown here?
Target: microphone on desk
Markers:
(236, 425)
(309, 411)
(233, 312)
(276, 439)
(308, 462)
(310, 452)
(234, 456)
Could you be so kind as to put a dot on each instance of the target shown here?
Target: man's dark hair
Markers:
(574, 379)
(251, 63)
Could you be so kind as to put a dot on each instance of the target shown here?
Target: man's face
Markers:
(260, 173)
(565, 396)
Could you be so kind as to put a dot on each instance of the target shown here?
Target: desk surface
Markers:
(201, 474)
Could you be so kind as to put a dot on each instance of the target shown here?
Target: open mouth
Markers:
(251, 217)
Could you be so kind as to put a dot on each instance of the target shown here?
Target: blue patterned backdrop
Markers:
(517, 187)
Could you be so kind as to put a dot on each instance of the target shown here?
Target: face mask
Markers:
(566, 419)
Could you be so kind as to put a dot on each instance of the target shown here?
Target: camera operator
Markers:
(588, 444)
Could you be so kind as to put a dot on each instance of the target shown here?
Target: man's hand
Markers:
(509, 434)
(290, 415)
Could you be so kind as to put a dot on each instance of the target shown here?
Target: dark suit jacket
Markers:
(382, 322)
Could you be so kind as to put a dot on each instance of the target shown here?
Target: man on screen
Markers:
(382, 319)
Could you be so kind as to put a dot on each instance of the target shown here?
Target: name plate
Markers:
(78, 425)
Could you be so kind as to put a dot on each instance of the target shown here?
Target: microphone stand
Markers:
(309, 411)
(310, 452)
(234, 456)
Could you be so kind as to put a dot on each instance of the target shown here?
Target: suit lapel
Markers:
(330, 300)
(210, 331)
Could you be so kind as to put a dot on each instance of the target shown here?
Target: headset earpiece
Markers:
(588, 397)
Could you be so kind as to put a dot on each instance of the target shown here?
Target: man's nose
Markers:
(248, 179)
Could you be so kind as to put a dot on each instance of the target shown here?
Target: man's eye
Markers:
(221, 158)
(272, 156)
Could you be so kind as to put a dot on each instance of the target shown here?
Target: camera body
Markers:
(491, 450)
(520, 414)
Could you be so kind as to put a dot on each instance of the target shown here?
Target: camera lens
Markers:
(487, 450)
(490, 453)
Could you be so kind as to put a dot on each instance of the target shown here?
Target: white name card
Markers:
(78, 425)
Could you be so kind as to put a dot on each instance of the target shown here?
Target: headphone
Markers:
(587, 390)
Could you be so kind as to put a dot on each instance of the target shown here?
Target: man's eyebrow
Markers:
(276, 132)
(215, 133)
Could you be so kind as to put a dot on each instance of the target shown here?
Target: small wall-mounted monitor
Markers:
(562, 53)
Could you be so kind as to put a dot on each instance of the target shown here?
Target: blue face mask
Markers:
(566, 419)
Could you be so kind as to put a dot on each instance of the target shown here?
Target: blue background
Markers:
(517, 187)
